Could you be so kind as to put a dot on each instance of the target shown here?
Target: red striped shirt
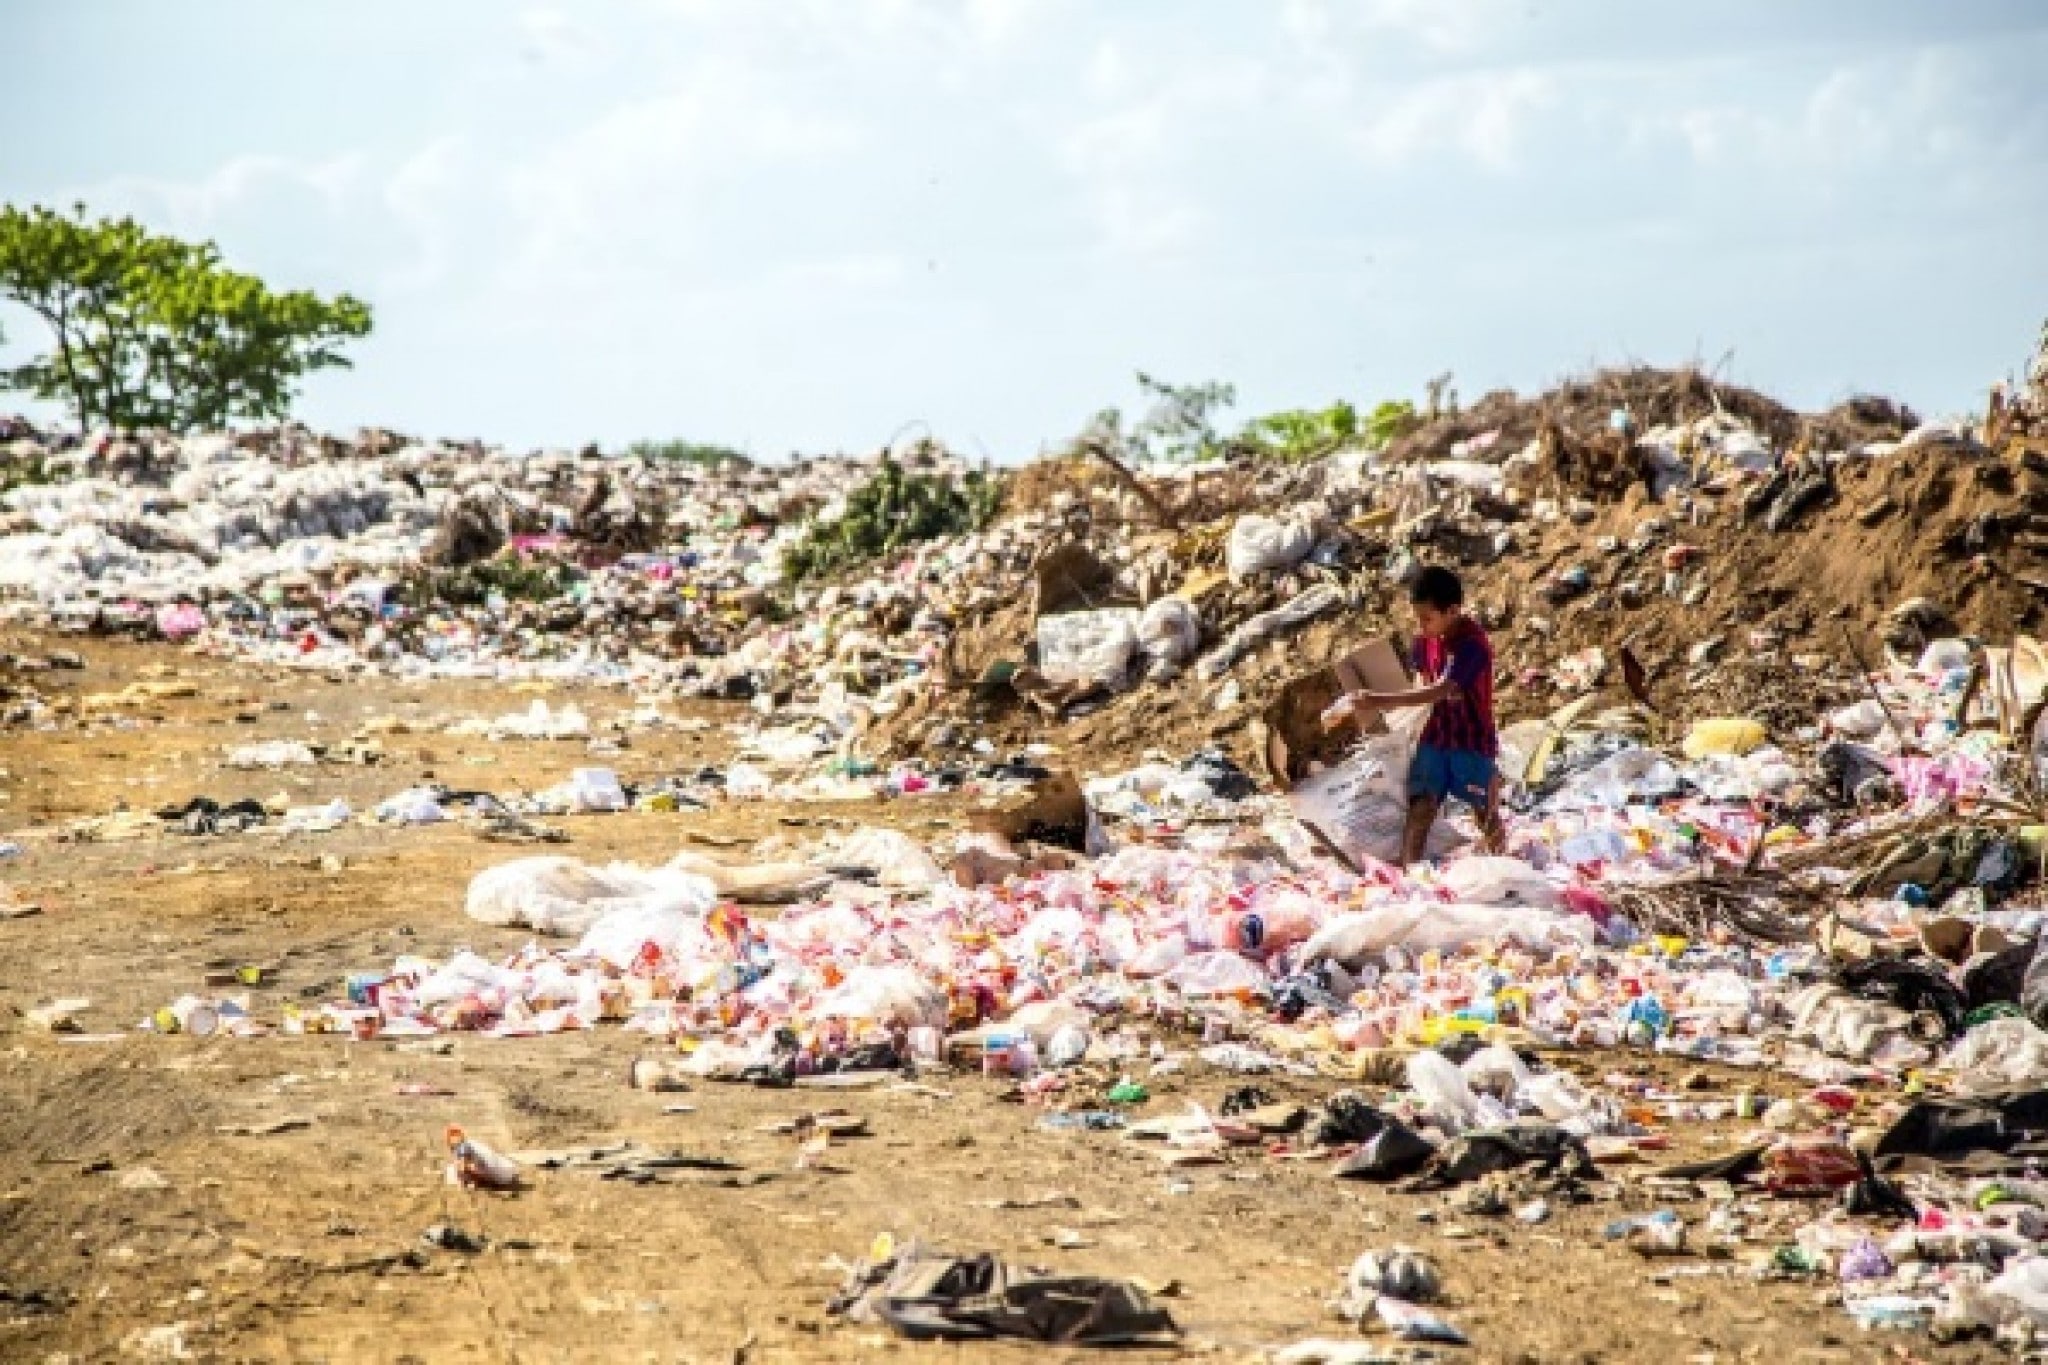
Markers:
(1463, 721)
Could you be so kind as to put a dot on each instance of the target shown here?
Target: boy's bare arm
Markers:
(1352, 703)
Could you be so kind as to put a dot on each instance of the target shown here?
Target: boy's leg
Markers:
(1475, 780)
(1429, 778)
(1493, 834)
(1415, 831)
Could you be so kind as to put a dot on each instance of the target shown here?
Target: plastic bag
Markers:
(1445, 1095)
(1861, 720)
(1496, 1070)
(674, 926)
(885, 996)
(2022, 1289)
(413, 806)
(1944, 656)
(1502, 882)
(1361, 804)
(1158, 957)
(556, 895)
(1350, 939)
(898, 861)
(462, 975)
(1217, 973)
(1088, 648)
(1169, 632)
(1843, 1025)
(1258, 544)
(595, 789)
(1724, 735)
(1999, 1055)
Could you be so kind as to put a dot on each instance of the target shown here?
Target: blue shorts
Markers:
(1459, 773)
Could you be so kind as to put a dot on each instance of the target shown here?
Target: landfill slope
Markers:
(1777, 618)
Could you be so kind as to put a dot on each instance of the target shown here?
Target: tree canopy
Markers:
(151, 331)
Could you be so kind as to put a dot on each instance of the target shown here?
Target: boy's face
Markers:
(1433, 621)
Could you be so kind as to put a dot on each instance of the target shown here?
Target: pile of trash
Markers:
(1820, 871)
(1863, 925)
(1724, 551)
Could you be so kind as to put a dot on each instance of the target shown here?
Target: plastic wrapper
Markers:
(556, 895)
(885, 996)
(1501, 882)
(1999, 1055)
(1218, 973)
(1354, 938)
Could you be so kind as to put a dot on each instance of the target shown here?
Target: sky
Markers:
(819, 224)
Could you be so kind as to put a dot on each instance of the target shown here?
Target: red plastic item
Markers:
(1810, 1165)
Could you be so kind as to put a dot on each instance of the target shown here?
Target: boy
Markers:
(1455, 756)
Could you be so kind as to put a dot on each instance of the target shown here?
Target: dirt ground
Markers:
(265, 1199)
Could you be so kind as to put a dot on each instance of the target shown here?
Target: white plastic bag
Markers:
(898, 861)
(1351, 939)
(1088, 648)
(674, 925)
(1361, 804)
(413, 806)
(1861, 720)
(596, 789)
(1496, 1070)
(1442, 1088)
(1259, 544)
(2000, 1055)
(1501, 882)
(1218, 973)
(2021, 1291)
(885, 996)
(556, 895)
(1169, 632)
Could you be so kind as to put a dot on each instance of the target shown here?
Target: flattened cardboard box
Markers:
(1292, 721)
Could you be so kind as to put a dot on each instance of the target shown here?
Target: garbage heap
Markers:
(1775, 759)
(1724, 551)
(1835, 961)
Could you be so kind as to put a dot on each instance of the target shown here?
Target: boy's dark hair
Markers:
(1437, 587)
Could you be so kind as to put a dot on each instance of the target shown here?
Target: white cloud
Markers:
(1157, 179)
(197, 207)
(1443, 26)
(1485, 117)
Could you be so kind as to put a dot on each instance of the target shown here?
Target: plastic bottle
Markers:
(1263, 932)
(474, 1166)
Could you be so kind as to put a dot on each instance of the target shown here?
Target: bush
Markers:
(1308, 434)
(509, 575)
(891, 510)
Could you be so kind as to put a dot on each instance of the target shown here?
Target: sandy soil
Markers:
(145, 1208)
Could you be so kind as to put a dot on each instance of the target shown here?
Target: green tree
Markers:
(151, 331)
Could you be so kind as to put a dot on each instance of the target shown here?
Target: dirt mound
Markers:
(1584, 407)
(1748, 592)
